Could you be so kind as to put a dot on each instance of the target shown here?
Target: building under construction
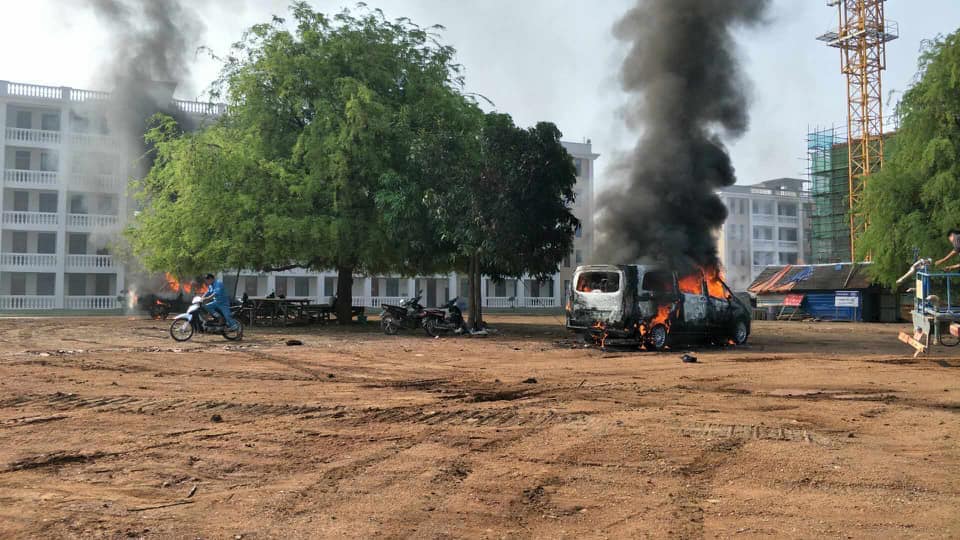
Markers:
(828, 170)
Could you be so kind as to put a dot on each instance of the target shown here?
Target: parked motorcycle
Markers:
(448, 318)
(408, 314)
(203, 321)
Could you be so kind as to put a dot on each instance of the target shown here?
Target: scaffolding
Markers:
(828, 172)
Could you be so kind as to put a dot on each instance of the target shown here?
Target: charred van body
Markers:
(653, 306)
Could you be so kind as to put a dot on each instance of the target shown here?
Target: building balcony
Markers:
(100, 183)
(23, 302)
(786, 245)
(28, 262)
(91, 303)
(90, 222)
(91, 139)
(762, 245)
(31, 220)
(91, 263)
(763, 219)
(30, 179)
(33, 137)
(788, 220)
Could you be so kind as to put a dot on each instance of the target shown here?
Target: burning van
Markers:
(654, 306)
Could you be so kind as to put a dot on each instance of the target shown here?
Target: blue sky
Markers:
(537, 60)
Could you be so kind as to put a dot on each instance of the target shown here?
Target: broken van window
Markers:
(658, 282)
(606, 282)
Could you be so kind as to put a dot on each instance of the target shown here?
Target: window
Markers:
(21, 201)
(48, 202)
(50, 121)
(230, 283)
(788, 258)
(77, 244)
(106, 205)
(18, 284)
(48, 161)
(330, 285)
(251, 286)
(743, 206)
(101, 285)
(763, 233)
(566, 287)
(579, 232)
(762, 258)
(500, 289)
(24, 120)
(787, 209)
(76, 284)
(280, 287)
(393, 286)
(788, 234)
(743, 257)
(658, 282)
(578, 163)
(22, 160)
(46, 242)
(19, 241)
(566, 261)
(46, 284)
(606, 282)
(78, 204)
(763, 208)
(301, 287)
(578, 256)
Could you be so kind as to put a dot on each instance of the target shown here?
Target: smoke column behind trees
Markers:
(687, 95)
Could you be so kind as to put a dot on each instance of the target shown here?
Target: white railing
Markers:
(88, 262)
(378, 301)
(10, 302)
(91, 139)
(91, 221)
(35, 136)
(541, 302)
(28, 260)
(88, 95)
(197, 107)
(30, 218)
(790, 220)
(101, 182)
(499, 302)
(32, 90)
(91, 302)
(24, 178)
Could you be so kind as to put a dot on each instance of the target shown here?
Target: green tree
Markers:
(500, 202)
(329, 111)
(915, 198)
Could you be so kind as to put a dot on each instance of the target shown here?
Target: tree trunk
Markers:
(344, 305)
(474, 283)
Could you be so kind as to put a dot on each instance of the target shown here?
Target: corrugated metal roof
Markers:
(811, 277)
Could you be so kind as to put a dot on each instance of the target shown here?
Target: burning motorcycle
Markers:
(448, 318)
(408, 314)
(201, 320)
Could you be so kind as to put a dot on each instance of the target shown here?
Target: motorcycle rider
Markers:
(220, 302)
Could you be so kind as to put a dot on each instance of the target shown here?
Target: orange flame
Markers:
(692, 284)
(187, 287)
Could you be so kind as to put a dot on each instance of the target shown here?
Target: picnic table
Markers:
(284, 311)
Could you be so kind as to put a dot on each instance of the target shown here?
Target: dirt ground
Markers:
(110, 429)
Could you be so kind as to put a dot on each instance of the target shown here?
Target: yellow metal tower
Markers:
(861, 36)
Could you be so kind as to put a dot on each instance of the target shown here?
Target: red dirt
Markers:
(812, 430)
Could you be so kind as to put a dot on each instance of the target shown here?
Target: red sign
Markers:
(793, 300)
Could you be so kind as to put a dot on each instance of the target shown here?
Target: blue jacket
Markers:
(219, 293)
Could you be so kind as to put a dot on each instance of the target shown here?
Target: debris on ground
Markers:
(531, 380)
(689, 359)
(216, 418)
(294, 342)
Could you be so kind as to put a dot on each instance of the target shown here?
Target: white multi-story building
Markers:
(767, 224)
(63, 200)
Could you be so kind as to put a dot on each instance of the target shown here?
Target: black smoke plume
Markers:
(687, 95)
(152, 47)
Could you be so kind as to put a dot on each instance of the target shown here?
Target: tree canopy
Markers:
(349, 144)
(915, 199)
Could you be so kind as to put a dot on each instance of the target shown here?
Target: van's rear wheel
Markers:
(657, 338)
(740, 333)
